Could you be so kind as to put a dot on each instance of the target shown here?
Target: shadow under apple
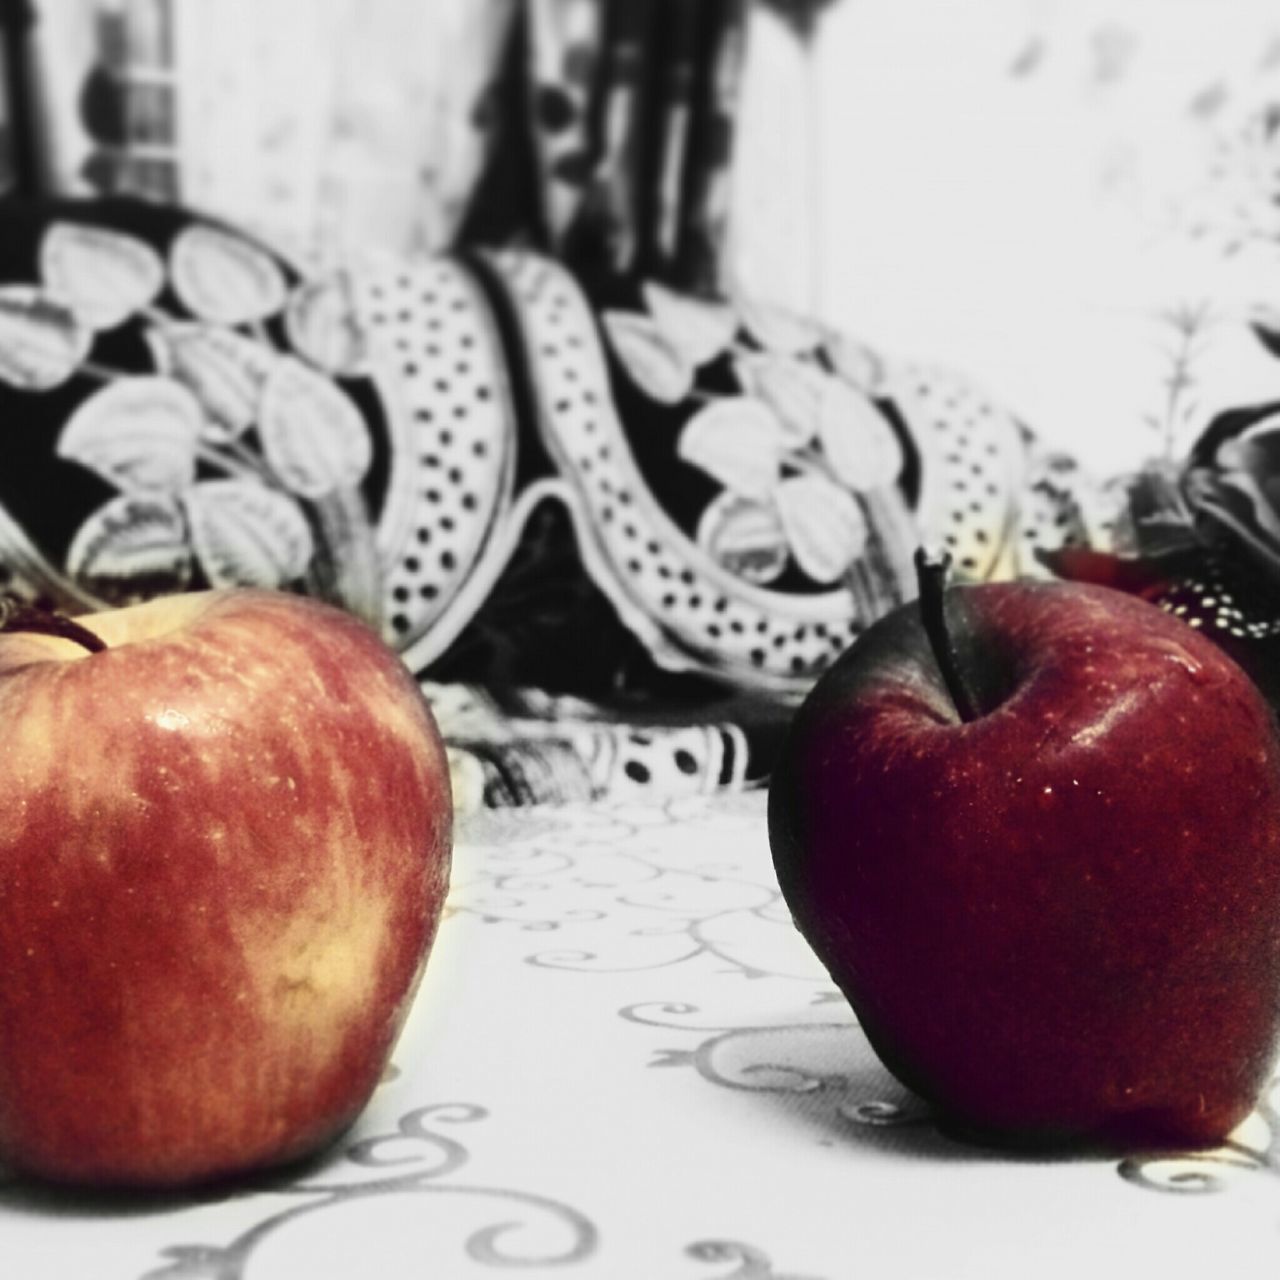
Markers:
(22, 1194)
(826, 1078)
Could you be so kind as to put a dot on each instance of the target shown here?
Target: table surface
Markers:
(625, 1062)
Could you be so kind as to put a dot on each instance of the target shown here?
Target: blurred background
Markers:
(783, 289)
(1075, 203)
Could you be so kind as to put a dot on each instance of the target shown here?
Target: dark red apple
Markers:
(224, 847)
(1057, 915)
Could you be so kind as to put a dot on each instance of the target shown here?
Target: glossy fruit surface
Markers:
(224, 849)
(1058, 921)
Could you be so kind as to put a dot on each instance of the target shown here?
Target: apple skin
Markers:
(1059, 922)
(224, 849)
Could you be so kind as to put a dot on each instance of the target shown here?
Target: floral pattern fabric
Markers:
(675, 508)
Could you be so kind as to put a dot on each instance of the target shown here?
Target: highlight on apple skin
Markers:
(1059, 920)
(224, 850)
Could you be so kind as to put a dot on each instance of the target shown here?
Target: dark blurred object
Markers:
(616, 121)
(21, 163)
(133, 120)
(800, 15)
(598, 131)
(1201, 539)
(264, 112)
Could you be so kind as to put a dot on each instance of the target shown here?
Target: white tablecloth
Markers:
(624, 1062)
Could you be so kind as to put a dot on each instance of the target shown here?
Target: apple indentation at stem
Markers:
(15, 615)
(976, 670)
(931, 579)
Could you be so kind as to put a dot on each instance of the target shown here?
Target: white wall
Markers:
(1078, 203)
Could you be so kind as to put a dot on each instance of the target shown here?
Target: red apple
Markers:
(1057, 919)
(224, 848)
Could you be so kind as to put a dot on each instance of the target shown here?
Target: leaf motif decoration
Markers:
(745, 537)
(793, 390)
(41, 342)
(246, 535)
(325, 328)
(855, 362)
(862, 448)
(223, 278)
(739, 442)
(131, 547)
(313, 436)
(824, 525)
(777, 330)
(138, 433)
(103, 276)
(696, 327)
(224, 370)
(660, 370)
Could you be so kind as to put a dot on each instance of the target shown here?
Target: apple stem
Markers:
(15, 615)
(931, 578)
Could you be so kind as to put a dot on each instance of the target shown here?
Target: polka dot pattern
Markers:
(1214, 603)
(694, 760)
(454, 441)
(973, 465)
(541, 746)
(1050, 515)
(683, 606)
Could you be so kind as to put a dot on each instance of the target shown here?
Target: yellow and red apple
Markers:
(224, 848)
